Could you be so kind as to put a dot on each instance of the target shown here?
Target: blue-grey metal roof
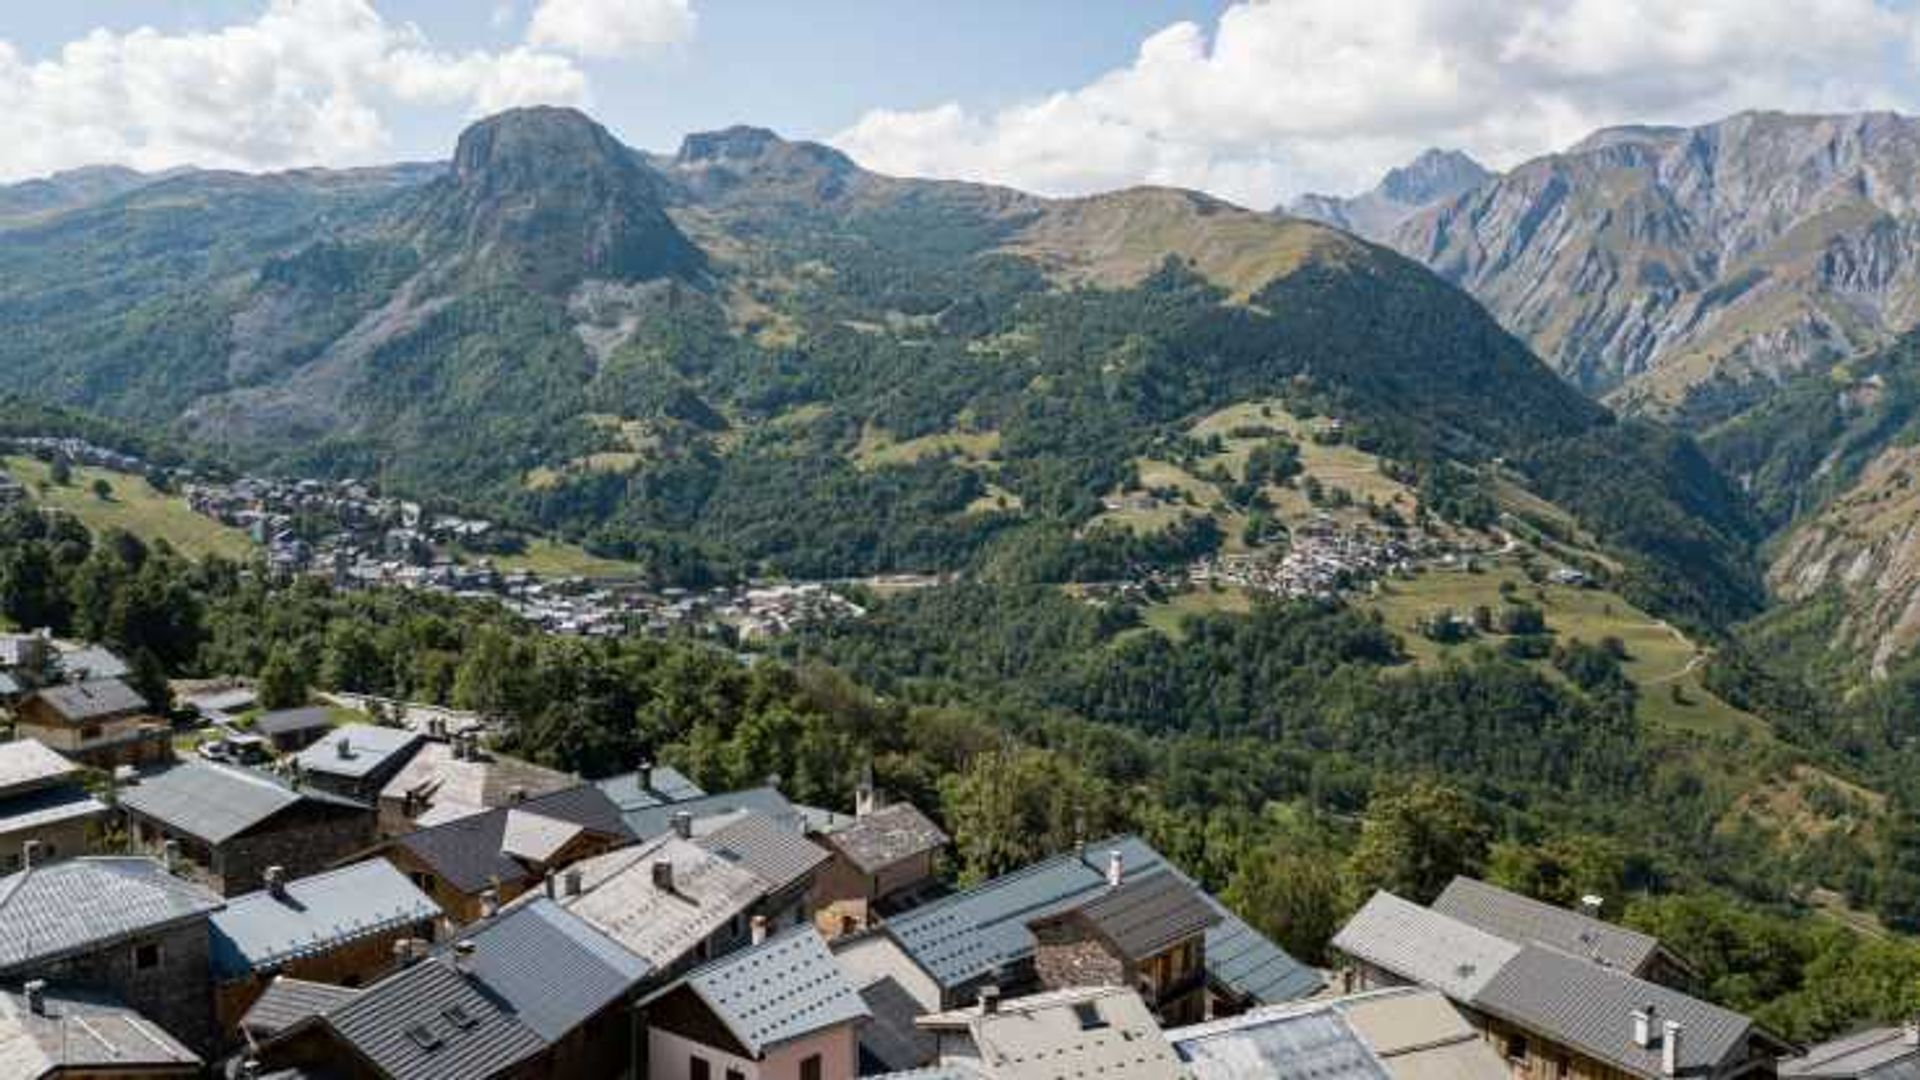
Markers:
(38, 809)
(1424, 946)
(216, 803)
(1521, 919)
(263, 930)
(664, 784)
(777, 854)
(91, 699)
(369, 747)
(431, 1022)
(553, 971)
(286, 1002)
(288, 721)
(1875, 1054)
(74, 906)
(966, 936)
(1316, 1044)
(93, 662)
(890, 1041)
(784, 988)
(648, 822)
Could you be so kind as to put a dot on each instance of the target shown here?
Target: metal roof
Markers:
(77, 905)
(26, 764)
(1146, 913)
(886, 836)
(1874, 1054)
(663, 784)
(967, 936)
(82, 1032)
(1406, 1033)
(890, 1041)
(431, 1022)
(469, 852)
(553, 971)
(784, 988)
(648, 822)
(263, 930)
(438, 779)
(216, 803)
(368, 748)
(1424, 946)
(1313, 1044)
(536, 837)
(1590, 1008)
(288, 721)
(620, 898)
(777, 854)
(286, 1002)
(92, 699)
(1521, 919)
(1100, 1031)
(95, 661)
(38, 809)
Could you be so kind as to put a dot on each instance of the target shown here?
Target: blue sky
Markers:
(1256, 101)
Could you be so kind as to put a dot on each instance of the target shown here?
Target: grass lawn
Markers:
(1166, 617)
(550, 558)
(134, 506)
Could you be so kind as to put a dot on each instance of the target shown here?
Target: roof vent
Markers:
(1591, 905)
(989, 1000)
(759, 925)
(1116, 868)
(276, 879)
(682, 824)
(663, 875)
(344, 747)
(463, 953)
(1643, 1027)
(1670, 1050)
(36, 995)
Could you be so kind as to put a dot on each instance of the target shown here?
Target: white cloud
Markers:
(1298, 95)
(604, 29)
(308, 81)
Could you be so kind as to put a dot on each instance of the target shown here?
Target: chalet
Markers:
(64, 1033)
(1406, 1033)
(42, 804)
(356, 760)
(474, 864)
(339, 928)
(1885, 1053)
(883, 860)
(786, 862)
(1522, 919)
(945, 950)
(778, 1010)
(1146, 931)
(534, 993)
(124, 926)
(668, 901)
(448, 780)
(234, 823)
(292, 730)
(1110, 1030)
(1552, 1015)
(99, 722)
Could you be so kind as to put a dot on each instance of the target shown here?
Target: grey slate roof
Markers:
(468, 852)
(219, 802)
(664, 784)
(77, 905)
(1042, 1037)
(774, 853)
(286, 1002)
(369, 748)
(1424, 946)
(26, 764)
(1590, 1008)
(38, 809)
(964, 937)
(1874, 1054)
(92, 699)
(1148, 912)
(261, 931)
(619, 898)
(486, 1040)
(886, 836)
(82, 1031)
(1521, 919)
(553, 971)
(890, 1041)
(648, 822)
(95, 661)
(436, 778)
(784, 988)
(288, 721)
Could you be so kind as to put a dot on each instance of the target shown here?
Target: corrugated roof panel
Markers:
(430, 1022)
(1424, 946)
(776, 853)
(286, 1002)
(1522, 919)
(785, 988)
(368, 747)
(261, 930)
(218, 802)
(1314, 1045)
(76, 904)
(553, 971)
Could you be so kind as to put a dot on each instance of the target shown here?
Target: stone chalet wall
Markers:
(1065, 957)
(177, 993)
(305, 841)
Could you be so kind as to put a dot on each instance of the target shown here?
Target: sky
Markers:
(1255, 101)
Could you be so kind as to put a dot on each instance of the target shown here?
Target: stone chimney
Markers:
(1643, 1027)
(663, 875)
(759, 925)
(1670, 1050)
(682, 824)
(35, 992)
(463, 954)
(989, 1000)
(1116, 868)
(29, 854)
(276, 879)
(343, 747)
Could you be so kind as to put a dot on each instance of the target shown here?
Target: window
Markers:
(423, 1037)
(810, 1067)
(1562, 1067)
(1088, 1013)
(1516, 1048)
(146, 956)
(422, 881)
(458, 1017)
(736, 1074)
(89, 732)
(698, 1069)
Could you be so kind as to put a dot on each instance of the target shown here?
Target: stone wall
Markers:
(1064, 958)
(176, 993)
(305, 840)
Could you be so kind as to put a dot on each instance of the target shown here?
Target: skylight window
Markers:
(424, 1038)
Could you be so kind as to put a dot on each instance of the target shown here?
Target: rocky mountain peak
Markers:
(1434, 175)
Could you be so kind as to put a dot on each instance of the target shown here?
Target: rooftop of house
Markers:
(290, 721)
(231, 700)
(1144, 915)
(659, 914)
(93, 662)
(78, 1031)
(1424, 946)
(1522, 919)
(355, 751)
(1109, 1029)
(887, 836)
(785, 988)
(438, 776)
(286, 1002)
(1405, 1033)
(777, 854)
(655, 785)
(648, 822)
(534, 837)
(28, 765)
(965, 937)
(890, 1041)
(18, 649)
(551, 968)
(215, 802)
(93, 699)
(1886, 1053)
(472, 851)
(430, 1021)
(78, 905)
(263, 930)
(47, 806)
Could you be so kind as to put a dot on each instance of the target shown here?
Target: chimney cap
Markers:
(989, 999)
